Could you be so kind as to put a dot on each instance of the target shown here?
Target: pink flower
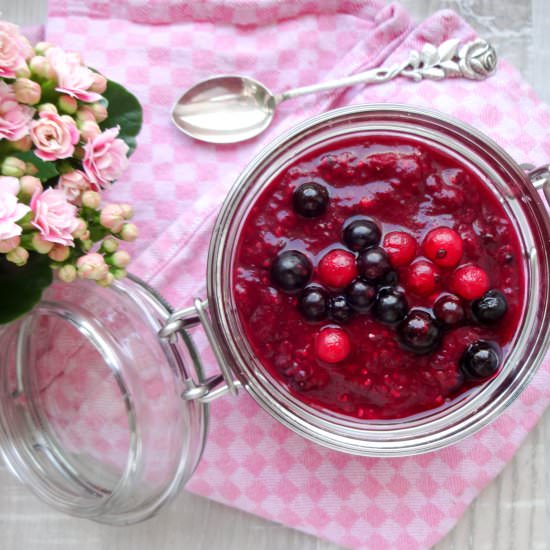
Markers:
(9, 184)
(14, 50)
(92, 266)
(73, 78)
(54, 136)
(73, 184)
(54, 216)
(105, 157)
(15, 119)
(11, 210)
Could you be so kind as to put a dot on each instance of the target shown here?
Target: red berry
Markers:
(470, 282)
(337, 268)
(332, 345)
(401, 247)
(423, 277)
(443, 246)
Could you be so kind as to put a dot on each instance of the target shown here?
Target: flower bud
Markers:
(23, 144)
(100, 112)
(30, 169)
(78, 153)
(112, 217)
(91, 199)
(89, 130)
(67, 104)
(119, 273)
(100, 84)
(121, 258)
(67, 273)
(13, 166)
(41, 67)
(18, 256)
(109, 245)
(7, 245)
(30, 185)
(42, 47)
(129, 232)
(85, 113)
(27, 91)
(108, 280)
(40, 245)
(47, 107)
(92, 266)
(23, 71)
(81, 229)
(59, 253)
(127, 211)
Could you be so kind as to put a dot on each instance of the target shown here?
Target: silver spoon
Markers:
(228, 109)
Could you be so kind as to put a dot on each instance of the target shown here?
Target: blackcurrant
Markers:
(419, 332)
(339, 309)
(449, 310)
(310, 199)
(374, 264)
(490, 308)
(480, 360)
(360, 234)
(360, 295)
(313, 303)
(390, 306)
(291, 271)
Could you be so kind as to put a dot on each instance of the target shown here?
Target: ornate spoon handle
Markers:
(475, 60)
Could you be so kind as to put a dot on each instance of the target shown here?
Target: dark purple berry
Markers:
(360, 295)
(291, 271)
(390, 306)
(310, 200)
(480, 360)
(339, 309)
(490, 308)
(449, 310)
(313, 303)
(374, 264)
(419, 332)
(361, 234)
(389, 279)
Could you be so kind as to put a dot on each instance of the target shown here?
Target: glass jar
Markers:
(119, 457)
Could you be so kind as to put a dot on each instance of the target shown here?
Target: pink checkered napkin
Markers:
(158, 49)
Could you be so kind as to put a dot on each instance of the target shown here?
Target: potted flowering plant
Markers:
(66, 133)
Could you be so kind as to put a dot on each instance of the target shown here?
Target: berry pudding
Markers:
(378, 277)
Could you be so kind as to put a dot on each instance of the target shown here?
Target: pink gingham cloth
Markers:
(157, 49)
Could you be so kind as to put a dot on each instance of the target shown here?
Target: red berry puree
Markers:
(378, 277)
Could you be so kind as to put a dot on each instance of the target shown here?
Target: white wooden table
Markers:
(512, 513)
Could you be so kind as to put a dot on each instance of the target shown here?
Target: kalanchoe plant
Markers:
(66, 133)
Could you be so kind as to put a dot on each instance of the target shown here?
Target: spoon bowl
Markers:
(224, 109)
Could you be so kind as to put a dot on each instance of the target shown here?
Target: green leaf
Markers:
(46, 170)
(125, 111)
(21, 287)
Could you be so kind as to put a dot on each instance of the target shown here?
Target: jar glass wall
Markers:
(472, 410)
(91, 415)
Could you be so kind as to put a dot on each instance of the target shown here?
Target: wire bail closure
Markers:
(177, 325)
